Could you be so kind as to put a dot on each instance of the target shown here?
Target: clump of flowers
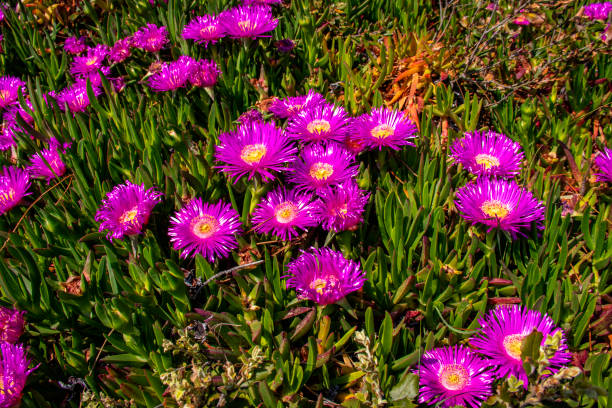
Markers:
(14, 185)
(248, 21)
(75, 97)
(173, 75)
(9, 90)
(254, 148)
(205, 229)
(89, 63)
(318, 123)
(324, 276)
(204, 30)
(384, 127)
(204, 74)
(341, 208)
(47, 163)
(604, 162)
(293, 105)
(121, 50)
(488, 154)
(13, 374)
(74, 45)
(282, 211)
(151, 38)
(501, 338)
(500, 204)
(11, 325)
(598, 11)
(451, 376)
(321, 166)
(126, 209)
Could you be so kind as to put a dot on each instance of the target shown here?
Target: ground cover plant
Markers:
(305, 203)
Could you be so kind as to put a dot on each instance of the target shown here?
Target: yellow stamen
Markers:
(128, 216)
(382, 131)
(252, 154)
(512, 344)
(285, 212)
(318, 126)
(7, 196)
(494, 208)
(487, 160)
(321, 171)
(319, 285)
(205, 225)
(5, 94)
(454, 377)
(246, 25)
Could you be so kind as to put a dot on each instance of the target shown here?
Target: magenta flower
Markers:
(285, 45)
(89, 63)
(10, 115)
(173, 75)
(500, 204)
(293, 105)
(126, 209)
(250, 116)
(501, 338)
(319, 123)
(205, 74)
(521, 19)
(251, 2)
(9, 90)
(7, 135)
(14, 184)
(322, 166)
(11, 325)
(151, 38)
(248, 21)
(451, 376)
(384, 127)
(121, 50)
(254, 148)
(598, 11)
(324, 276)
(204, 30)
(282, 211)
(47, 163)
(205, 229)
(75, 97)
(488, 154)
(13, 374)
(341, 208)
(604, 162)
(74, 45)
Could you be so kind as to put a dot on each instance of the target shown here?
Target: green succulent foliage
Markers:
(142, 327)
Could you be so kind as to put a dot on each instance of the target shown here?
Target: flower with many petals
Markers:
(9, 90)
(341, 208)
(13, 374)
(254, 148)
(89, 63)
(121, 50)
(321, 166)
(248, 21)
(126, 209)
(204, 30)
(75, 97)
(173, 75)
(74, 45)
(501, 339)
(11, 325)
(384, 127)
(151, 38)
(319, 123)
(14, 184)
(324, 276)
(205, 229)
(604, 162)
(598, 11)
(47, 163)
(500, 204)
(282, 211)
(454, 376)
(204, 74)
(293, 105)
(488, 154)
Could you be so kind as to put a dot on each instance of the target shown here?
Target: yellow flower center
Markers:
(128, 216)
(5, 94)
(92, 61)
(318, 126)
(285, 212)
(252, 154)
(295, 108)
(7, 196)
(494, 208)
(382, 131)
(204, 226)
(487, 160)
(340, 211)
(246, 25)
(321, 171)
(454, 377)
(512, 345)
(208, 30)
(319, 285)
